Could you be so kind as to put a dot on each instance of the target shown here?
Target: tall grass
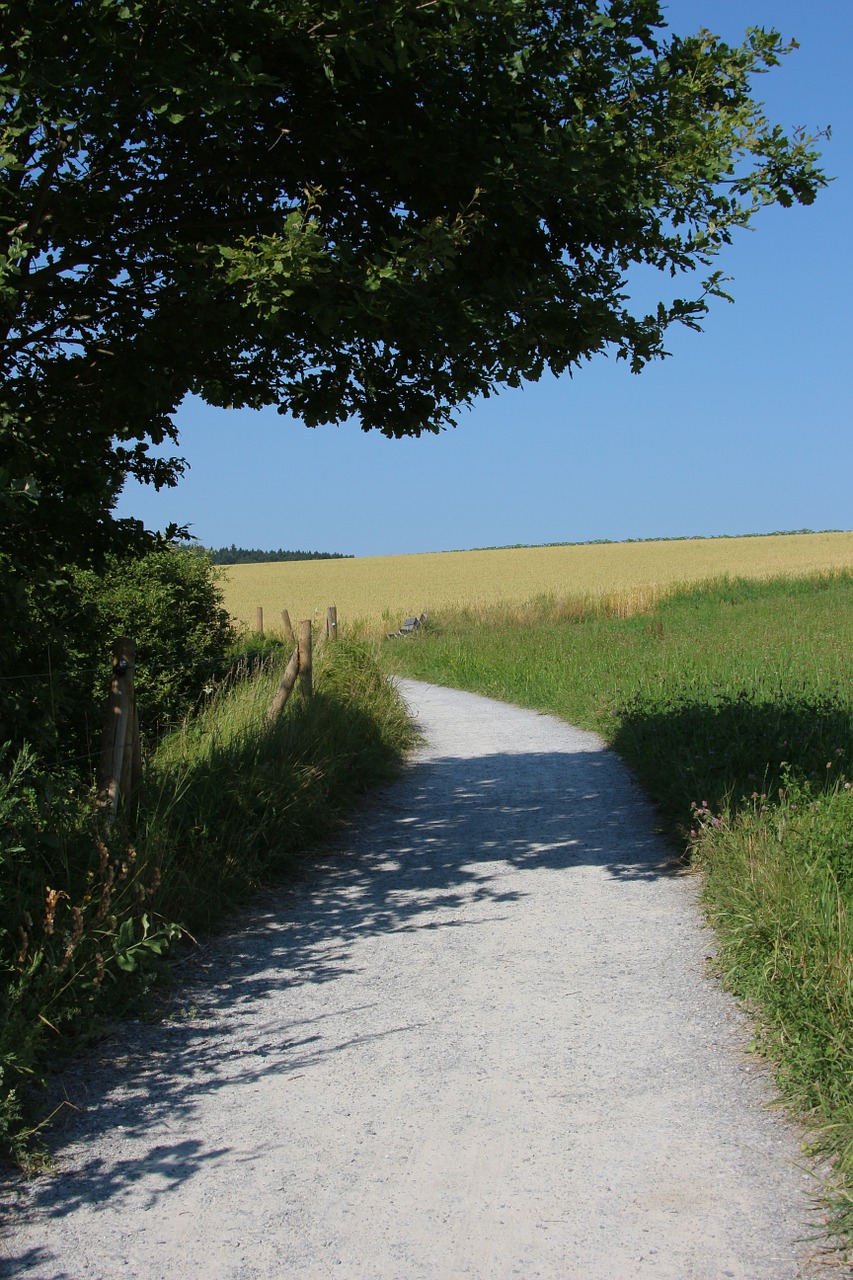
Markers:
(230, 799)
(233, 797)
(732, 701)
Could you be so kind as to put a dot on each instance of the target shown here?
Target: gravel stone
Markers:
(475, 1038)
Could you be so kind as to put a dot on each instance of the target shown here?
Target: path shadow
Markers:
(441, 839)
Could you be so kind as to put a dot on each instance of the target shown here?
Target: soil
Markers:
(478, 1037)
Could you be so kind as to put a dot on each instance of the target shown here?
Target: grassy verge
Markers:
(234, 797)
(732, 701)
(85, 915)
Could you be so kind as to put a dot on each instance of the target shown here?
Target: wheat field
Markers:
(378, 592)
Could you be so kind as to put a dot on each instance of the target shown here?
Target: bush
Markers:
(169, 602)
(55, 661)
(75, 906)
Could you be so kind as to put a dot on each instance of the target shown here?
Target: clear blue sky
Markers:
(745, 429)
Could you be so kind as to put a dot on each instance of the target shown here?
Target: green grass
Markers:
(732, 702)
(229, 802)
(233, 798)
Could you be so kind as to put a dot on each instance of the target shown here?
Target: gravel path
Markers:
(476, 1040)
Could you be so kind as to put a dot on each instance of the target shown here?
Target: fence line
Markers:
(51, 675)
(161, 666)
(287, 625)
(120, 768)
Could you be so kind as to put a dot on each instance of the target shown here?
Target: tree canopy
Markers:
(374, 211)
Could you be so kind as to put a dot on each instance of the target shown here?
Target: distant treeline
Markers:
(680, 537)
(251, 555)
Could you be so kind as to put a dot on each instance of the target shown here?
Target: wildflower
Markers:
(73, 938)
(52, 900)
(76, 925)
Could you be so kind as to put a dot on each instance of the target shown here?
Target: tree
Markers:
(377, 211)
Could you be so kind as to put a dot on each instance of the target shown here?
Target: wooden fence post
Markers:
(288, 626)
(332, 623)
(121, 762)
(304, 651)
(134, 790)
(285, 689)
(298, 668)
(259, 621)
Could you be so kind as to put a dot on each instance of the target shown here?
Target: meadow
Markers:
(377, 592)
(732, 702)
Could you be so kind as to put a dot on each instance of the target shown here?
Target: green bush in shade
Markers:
(53, 681)
(170, 603)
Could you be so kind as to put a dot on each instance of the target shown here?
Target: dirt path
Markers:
(476, 1041)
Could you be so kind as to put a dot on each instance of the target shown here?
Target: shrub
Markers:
(169, 602)
(54, 663)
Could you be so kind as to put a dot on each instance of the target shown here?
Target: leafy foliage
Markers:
(168, 601)
(340, 209)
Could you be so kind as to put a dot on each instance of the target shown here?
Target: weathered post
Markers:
(288, 626)
(134, 790)
(331, 623)
(285, 688)
(305, 658)
(259, 621)
(117, 744)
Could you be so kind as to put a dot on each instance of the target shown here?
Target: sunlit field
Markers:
(380, 591)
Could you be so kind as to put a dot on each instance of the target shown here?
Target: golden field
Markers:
(380, 591)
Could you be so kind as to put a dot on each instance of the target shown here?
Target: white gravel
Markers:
(476, 1039)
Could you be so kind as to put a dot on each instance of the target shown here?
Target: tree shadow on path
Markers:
(447, 847)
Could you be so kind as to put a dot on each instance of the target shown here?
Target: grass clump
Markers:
(733, 704)
(778, 887)
(229, 800)
(233, 797)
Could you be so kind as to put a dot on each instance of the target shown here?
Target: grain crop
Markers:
(380, 591)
